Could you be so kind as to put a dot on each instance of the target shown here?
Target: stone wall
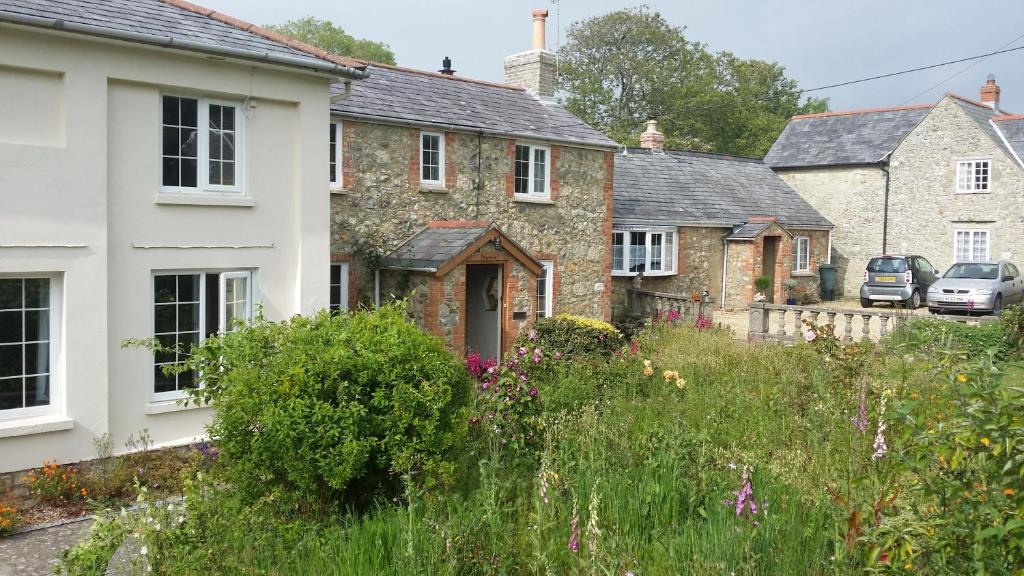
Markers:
(924, 207)
(699, 267)
(381, 204)
(853, 199)
(746, 263)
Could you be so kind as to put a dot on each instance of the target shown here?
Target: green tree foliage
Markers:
(324, 34)
(619, 69)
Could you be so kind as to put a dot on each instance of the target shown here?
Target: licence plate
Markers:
(954, 299)
(885, 278)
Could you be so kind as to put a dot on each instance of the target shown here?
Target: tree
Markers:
(619, 69)
(324, 34)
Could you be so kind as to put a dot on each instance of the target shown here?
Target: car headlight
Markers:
(933, 290)
(983, 292)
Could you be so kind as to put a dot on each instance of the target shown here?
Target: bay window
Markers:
(651, 252)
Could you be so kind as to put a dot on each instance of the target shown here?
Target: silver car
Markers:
(899, 280)
(976, 286)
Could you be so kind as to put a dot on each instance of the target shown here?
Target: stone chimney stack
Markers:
(535, 68)
(990, 93)
(651, 138)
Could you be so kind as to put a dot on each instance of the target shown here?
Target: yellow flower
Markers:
(908, 565)
(913, 395)
(1007, 491)
(986, 441)
(647, 363)
(84, 492)
(648, 371)
(667, 375)
(961, 378)
(680, 383)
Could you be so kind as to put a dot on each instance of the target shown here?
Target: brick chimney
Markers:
(651, 138)
(990, 93)
(535, 68)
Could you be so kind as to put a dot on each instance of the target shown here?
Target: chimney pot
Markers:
(540, 18)
(446, 67)
(652, 139)
(990, 93)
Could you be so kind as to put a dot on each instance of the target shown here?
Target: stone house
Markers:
(691, 221)
(161, 170)
(486, 205)
(944, 181)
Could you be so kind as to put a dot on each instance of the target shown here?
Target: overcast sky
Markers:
(819, 42)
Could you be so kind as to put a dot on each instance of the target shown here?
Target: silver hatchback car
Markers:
(899, 280)
(980, 286)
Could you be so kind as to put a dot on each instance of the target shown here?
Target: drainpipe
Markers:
(479, 165)
(828, 255)
(725, 269)
(376, 288)
(885, 209)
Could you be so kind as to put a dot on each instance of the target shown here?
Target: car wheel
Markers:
(914, 302)
(997, 306)
(866, 303)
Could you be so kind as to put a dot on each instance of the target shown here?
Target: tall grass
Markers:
(645, 464)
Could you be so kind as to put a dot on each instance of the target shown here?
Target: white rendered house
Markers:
(162, 171)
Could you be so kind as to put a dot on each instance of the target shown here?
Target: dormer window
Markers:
(533, 171)
(972, 176)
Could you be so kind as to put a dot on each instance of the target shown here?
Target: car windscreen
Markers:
(887, 265)
(973, 271)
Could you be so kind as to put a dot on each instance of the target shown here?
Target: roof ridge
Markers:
(862, 111)
(1007, 116)
(268, 34)
(717, 155)
(976, 103)
(444, 76)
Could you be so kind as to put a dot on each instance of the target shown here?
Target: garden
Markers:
(356, 444)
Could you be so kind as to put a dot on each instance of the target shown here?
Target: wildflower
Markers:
(809, 335)
(558, 355)
(861, 421)
(521, 351)
(961, 378)
(648, 371)
(680, 383)
(84, 492)
(667, 375)
(745, 501)
(1007, 492)
(592, 530)
(537, 355)
(879, 445)
(634, 347)
(986, 441)
(533, 334)
(533, 392)
(144, 550)
(913, 395)
(732, 465)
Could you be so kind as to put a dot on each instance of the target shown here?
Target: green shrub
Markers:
(973, 341)
(1013, 320)
(762, 283)
(91, 556)
(572, 336)
(332, 410)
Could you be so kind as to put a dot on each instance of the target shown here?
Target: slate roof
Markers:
(677, 187)
(843, 138)
(748, 231)
(163, 20)
(981, 115)
(1012, 128)
(419, 97)
(431, 248)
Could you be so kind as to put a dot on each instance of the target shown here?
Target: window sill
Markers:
(166, 406)
(35, 425)
(966, 192)
(337, 190)
(531, 200)
(647, 275)
(433, 189)
(204, 200)
(807, 274)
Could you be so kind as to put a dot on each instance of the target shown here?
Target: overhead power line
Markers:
(901, 72)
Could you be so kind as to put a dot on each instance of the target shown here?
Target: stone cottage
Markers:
(944, 181)
(487, 205)
(691, 221)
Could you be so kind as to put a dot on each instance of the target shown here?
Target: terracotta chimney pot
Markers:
(652, 139)
(540, 18)
(990, 93)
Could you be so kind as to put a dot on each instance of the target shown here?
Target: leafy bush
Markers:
(762, 283)
(930, 335)
(55, 484)
(572, 336)
(1013, 320)
(91, 556)
(329, 410)
(963, 448)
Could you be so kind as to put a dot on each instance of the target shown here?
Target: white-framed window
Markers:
(533, 170)
(202, 145)
(339, 286)
(335, 158)
(970, 245)
(30, 312)
(188, 307)
(651, 252)
(545, 289)
(801, 254)
(972, 176)
(432, 159)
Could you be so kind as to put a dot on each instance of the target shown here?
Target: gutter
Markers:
(188, 45)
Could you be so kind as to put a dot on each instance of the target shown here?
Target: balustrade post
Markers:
(832, 320)
(758, 327)
(782, 324)
(848, 329)
(814, 317)
(797, 325)
(865, 329)
(883, 325)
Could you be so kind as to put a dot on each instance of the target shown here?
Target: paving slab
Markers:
(35, 553)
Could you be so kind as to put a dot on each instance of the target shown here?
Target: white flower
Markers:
(144, 551)
(809, 335)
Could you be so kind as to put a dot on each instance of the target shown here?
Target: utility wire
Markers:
(962, 70)
(929, 67)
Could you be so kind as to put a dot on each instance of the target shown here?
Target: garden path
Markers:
(35, 553)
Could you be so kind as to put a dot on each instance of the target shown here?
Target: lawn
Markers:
(685, 453)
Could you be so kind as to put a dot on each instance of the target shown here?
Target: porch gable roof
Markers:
(444, 244)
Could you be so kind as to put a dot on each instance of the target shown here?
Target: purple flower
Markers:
(522, 351)
(523, 378)
(533, 392)
(558, 355)
(533, 334)
(574, 539)
(745, 501)
(809, 335)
